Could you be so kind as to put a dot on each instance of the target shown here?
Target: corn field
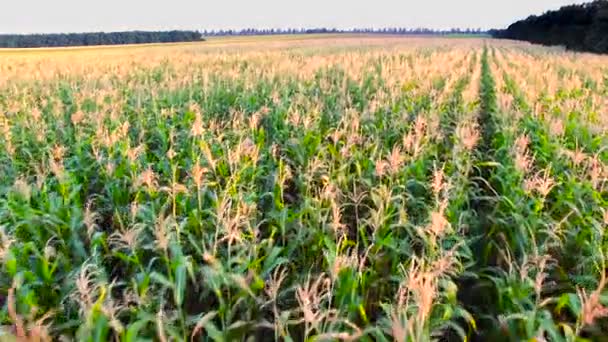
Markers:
(322, 189)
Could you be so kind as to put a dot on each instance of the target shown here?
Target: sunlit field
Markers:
(319, 188)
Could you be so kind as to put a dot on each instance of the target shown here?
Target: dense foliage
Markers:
(96, 38)
(328, 189)
(581, 27)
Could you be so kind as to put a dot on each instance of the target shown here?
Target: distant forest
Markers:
(391, 30)
(577, 27)
(96, 38)
(142, 37)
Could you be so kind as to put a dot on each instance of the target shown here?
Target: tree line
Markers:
(96, 38)
(581, 27)
(320, 30)
(142, 37)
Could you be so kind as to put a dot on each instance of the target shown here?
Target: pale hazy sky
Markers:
(27, 16)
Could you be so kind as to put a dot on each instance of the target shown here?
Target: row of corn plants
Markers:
(542, 247)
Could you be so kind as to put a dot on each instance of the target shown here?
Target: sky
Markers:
(47, 16)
